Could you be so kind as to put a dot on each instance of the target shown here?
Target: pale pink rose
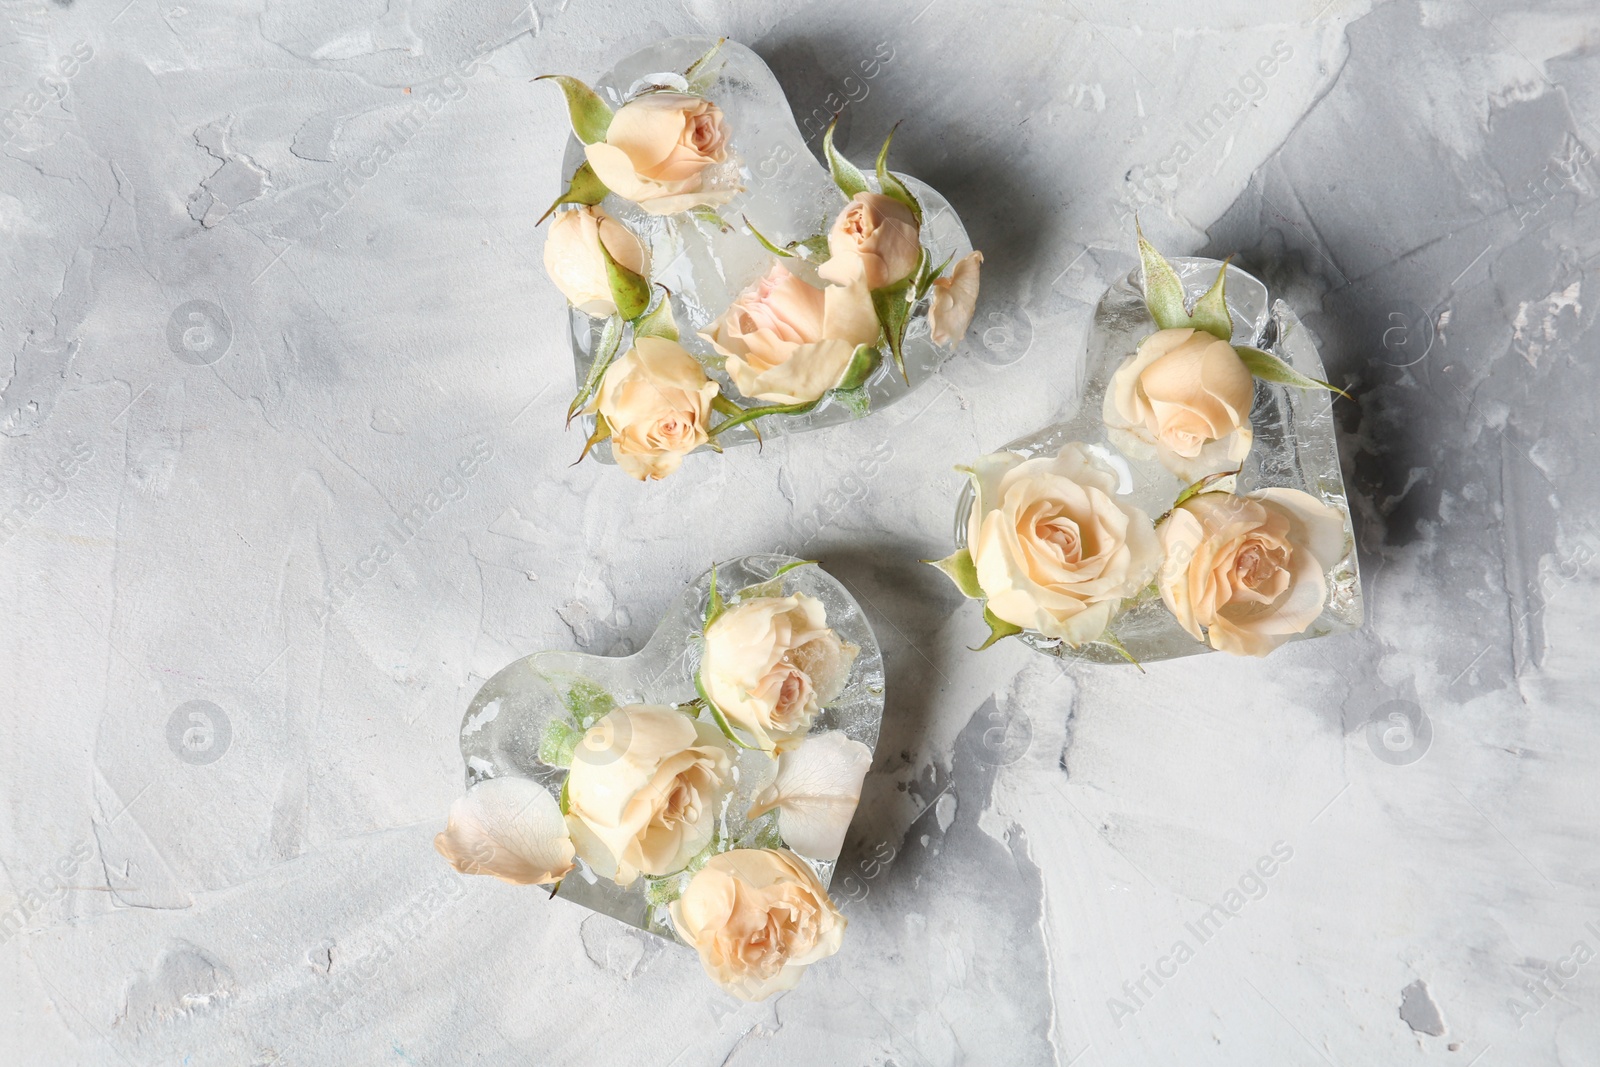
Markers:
(657, 151)
(876, 237)
(657, 401)
(572, 257)
(1187, 394)
(952, 300)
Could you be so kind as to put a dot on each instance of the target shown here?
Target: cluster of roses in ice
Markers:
(649, 786)
(1053, 551)
(814, 328)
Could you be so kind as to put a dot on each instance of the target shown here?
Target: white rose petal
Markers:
(816, 792)
(510, 828)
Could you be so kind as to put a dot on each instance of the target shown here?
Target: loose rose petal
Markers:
(510, 828)
(816, 792)
(953, 300)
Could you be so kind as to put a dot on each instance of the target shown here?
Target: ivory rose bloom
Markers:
(657, 150)
(1249, 571)
(771, 663)
(952, 300)
(644, 791)
(1188, 394)
(657, 401)
(758, 918)
(787, 341)
(1054, 550)
(572, 257)
(875, 237)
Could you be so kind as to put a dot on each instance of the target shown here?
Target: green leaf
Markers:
(863, 363)
(1269, 368)
(709, 216)
(602, 432)
(700, 76)
(892, 186)
(960, 569)
(630, 291)
(812, 249)
(610, 338)
(588, 702)
(845, 174)
(748, 414)
(718, 717)
(558, 743)
(659, 323)
(858, 401)
(1211, 312)
(998, 628)
(787, 567)
(591, 118)
(1163, 292)
(768, 245)
(584, 188)
(894, 310)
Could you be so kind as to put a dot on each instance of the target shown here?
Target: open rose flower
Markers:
(657, 401)
(772, 663)
(787, 341)
(1054, 549)
(510, 828)
(1249, 571)
(1188, 395)
(644, 791)
(572, 257)
(952, 300)
(875, 237)
(657, 150)
(758, 918)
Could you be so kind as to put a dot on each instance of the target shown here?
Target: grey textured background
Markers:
(1415, 176)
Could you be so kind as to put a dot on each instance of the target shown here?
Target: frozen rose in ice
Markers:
(1188, 395)
(875, 237)
(758, 918)
(787, 341)
(573, 260)
(1054, 550)
(952, 300)
(645, 789)
(771, 663)
(1246, 573)
(657, 150)
(510, 828)
(657, 401)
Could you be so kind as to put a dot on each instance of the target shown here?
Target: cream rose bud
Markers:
(1189, 395)
(876, 237)
(952, 300)
(657, 401)
(645, 789)
(572, 257)
(787, 341)
(657, 150)
(771, 663)
(1249, 571)
(758, 918)
(1055, 550)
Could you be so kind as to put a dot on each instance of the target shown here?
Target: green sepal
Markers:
(1211, 483)
(1111, 640)
(584, 188)
(960, 569)
(998, 628)
(866, 360)
(658, 323)
(768, 245)
(894, 310)
(1211, 312)
(602, 432)
(812, 249)
(787, 567)
(926, 277)
(747, 414)
(1163, 292)
(893, 187)
(700, 76)
(846, 175)
(857, 401)
(558, 743)
(709, 216)
(591, 118)
(718, 717)
(610, 339)
(630, 291)
(1269, 368)
(713, 602)
(723, 406)
(565, 801)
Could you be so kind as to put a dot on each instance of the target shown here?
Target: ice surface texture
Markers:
(506, 723)
(787, 195)
(1294, 448)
